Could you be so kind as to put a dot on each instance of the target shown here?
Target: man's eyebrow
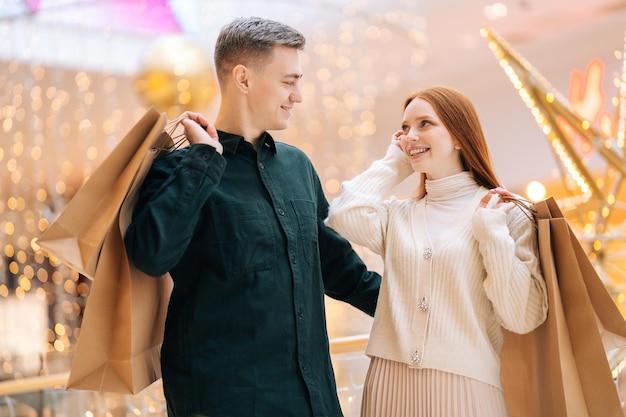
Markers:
(294, 75)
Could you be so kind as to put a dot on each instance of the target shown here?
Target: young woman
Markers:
(461, 265)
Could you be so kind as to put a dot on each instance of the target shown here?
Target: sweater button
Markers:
(423, 305)
(416, 358)
(428, 253)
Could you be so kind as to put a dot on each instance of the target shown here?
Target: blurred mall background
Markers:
(76, 75)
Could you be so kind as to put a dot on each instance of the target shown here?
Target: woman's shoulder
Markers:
(403, 203)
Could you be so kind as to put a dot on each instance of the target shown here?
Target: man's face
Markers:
(275, 88)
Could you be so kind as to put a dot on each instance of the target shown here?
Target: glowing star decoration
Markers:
(587, 99)
(577, 129)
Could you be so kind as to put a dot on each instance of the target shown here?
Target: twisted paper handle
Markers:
(525, 205)
(169, 139)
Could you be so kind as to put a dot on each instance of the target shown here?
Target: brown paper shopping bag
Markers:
(561, 369)
(76, 236)
(122, 330)
(119, 345)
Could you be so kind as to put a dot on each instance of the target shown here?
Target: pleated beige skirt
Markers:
(392, 389)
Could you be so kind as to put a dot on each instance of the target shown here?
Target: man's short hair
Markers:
(249, 41)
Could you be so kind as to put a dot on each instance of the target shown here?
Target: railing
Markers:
(349, 362)
(348, 344)
(33, 384)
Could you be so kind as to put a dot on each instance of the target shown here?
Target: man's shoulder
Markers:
(286, 147)
(291, 151)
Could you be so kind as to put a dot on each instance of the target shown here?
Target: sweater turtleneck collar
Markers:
(456, 187)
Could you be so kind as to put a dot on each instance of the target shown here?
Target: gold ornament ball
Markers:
(176, 75)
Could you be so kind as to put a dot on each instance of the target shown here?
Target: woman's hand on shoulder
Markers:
(500, 203)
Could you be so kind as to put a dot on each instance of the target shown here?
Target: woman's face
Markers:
(427, 143)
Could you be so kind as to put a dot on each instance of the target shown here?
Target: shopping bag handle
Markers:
(170, 140)
(526, 206)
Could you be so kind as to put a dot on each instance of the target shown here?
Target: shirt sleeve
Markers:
(514, 283)
(168, 206)
(360, 213)
(345, 275)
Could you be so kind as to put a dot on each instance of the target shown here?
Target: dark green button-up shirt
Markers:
(243, 237)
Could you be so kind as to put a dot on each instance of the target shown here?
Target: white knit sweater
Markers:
(443, 302)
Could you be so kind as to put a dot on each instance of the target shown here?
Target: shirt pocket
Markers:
(306, 214)
(245, 239)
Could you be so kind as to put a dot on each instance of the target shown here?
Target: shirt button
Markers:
(293, 260)
(303, 365)
(205, 156)
(281, 212)
(261, 166)
(300, 313)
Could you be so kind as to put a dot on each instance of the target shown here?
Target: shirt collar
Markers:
(231, 142)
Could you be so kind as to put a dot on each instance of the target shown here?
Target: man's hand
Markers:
(198, 130)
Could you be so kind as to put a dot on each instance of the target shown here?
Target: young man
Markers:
(238, 221)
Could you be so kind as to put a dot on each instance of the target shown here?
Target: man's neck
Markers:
(232, 120)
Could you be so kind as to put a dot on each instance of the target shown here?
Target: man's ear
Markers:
(241, 77)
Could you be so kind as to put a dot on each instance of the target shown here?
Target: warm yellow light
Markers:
(605, 212)
(535, 191)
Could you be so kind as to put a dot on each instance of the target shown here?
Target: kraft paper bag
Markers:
(122, 330)
(118, 349)
(561, 368)
(76, 236)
